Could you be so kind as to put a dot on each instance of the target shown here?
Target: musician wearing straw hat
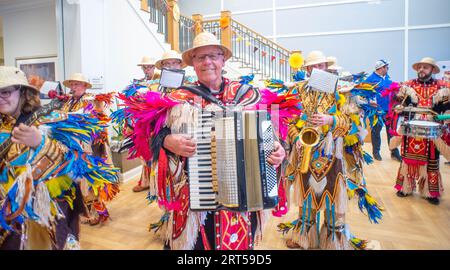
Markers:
(151, 77)
(171, 147)
(148, 66)
(40, 159)
(82, 102)
(77, 85)
(333, 67)
(421, 154)
(170, 59)
(318, 139)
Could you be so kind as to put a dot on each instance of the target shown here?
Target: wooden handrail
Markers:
(211, 21)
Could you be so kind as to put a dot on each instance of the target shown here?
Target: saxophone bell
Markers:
(309, 137)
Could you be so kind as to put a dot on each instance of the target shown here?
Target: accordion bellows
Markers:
(230, 169)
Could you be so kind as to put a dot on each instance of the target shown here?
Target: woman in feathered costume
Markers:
(42, 162)
(82, 102)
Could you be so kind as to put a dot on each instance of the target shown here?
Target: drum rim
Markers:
(418, 122)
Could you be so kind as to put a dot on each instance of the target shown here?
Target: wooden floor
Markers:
(408, 223)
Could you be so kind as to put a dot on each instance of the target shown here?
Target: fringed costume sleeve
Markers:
(283, 107)
(35, 179)
(354, 158)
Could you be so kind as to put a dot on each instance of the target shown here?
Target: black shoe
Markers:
(395, 155)
(377, 156)
(401, 194)
(434, 201)
(166, 246)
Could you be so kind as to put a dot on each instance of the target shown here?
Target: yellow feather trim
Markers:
(18, 171)
(375, 121)
(355, 119)
(300, 123)
(350, 140)
(341, 100)
(57, 186)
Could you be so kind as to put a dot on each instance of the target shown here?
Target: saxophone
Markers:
(313, 102)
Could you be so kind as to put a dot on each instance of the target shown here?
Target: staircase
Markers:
(252, 52)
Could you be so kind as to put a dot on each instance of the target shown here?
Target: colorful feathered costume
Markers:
(124, 125)
(334, 173)
(420, 157)
(96, 105)
(155, 118)
(39, 189)
(284, 107)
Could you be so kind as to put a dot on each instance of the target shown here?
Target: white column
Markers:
(92, 30)
(70, 33)
(406, 55)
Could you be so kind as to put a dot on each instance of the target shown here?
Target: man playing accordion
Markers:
(161, 123)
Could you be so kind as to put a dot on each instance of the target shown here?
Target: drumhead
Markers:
(423, 123)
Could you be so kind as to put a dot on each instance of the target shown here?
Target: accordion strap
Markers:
(206, 94)
(198, 90)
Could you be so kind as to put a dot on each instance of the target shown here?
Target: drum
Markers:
(421, 129)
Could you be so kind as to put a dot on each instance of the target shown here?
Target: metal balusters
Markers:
(212, 26)
(152, 11)
(158, 10)
(248, 48)
(186, 33)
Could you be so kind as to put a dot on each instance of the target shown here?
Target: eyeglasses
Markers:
(7, 93)
(212, 56)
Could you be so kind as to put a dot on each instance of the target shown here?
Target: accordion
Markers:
(230, 169)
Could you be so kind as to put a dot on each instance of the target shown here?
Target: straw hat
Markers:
(77, 77)
(430, 61)
(316, 57)
(10, 76)
(201, 40)
(170, 55)
(333, 65)
(147, 61)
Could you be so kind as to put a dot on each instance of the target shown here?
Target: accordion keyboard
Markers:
(200, 166)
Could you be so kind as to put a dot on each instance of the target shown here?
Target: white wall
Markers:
(107, 39)
(71, 33)
(128, 36)
(29, 32)
(357, 32)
